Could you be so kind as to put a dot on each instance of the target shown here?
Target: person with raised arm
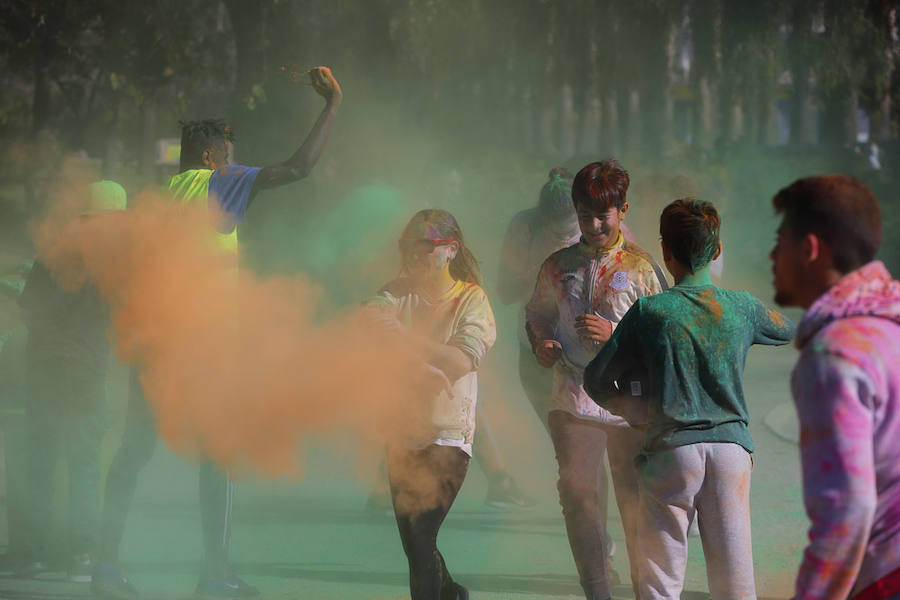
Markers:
(205, 178)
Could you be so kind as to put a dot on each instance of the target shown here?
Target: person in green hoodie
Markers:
(674, 367)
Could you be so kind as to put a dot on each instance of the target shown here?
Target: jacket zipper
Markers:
(592, 273)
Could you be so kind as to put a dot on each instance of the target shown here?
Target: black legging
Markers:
(424, 484)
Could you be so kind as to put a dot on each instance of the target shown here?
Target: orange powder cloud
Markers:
(234, 367)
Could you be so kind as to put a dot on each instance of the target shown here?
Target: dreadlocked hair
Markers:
(464, 265)
(197, 136)
(690, 229)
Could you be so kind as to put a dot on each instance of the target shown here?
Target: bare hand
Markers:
(325, 84)
(548, 352)
(593, 327)
(432, 381)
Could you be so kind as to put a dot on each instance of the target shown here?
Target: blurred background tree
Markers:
(740, 96)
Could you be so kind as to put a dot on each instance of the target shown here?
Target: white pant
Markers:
(713, 480)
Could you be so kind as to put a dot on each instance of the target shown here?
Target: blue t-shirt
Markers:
(232, 187)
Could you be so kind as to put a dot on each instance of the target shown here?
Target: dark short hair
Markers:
(690, 229)
(839, 209)
(197, 136)
(601, 186)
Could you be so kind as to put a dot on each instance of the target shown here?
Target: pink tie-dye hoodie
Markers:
(846, 386)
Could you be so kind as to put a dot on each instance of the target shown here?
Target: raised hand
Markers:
(325, 84)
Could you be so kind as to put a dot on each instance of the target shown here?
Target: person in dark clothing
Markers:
(66, 363)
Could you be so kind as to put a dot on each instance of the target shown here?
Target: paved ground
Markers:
(314, 538)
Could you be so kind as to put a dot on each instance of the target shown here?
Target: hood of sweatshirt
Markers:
(866, 292)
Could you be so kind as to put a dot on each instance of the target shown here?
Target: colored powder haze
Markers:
(235, 367)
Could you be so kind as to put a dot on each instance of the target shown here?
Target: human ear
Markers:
(812, 248)
(454, 249)
(718, 252)
(623, 210)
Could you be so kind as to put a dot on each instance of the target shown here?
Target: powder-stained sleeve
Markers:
(475, 331)
(232, 187)
(834, 401)
(646, 266)
(650, 280)
(774, 329)
(541, 312)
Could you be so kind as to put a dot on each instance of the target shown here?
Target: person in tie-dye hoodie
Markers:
(846, 386)
(581, 294)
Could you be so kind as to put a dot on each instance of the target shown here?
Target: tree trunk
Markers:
(147, 144)
(612, 126)
(112, 145)
(248, 26)
(635, 125)
(40, 118)
(705, 21)
(567, 121)
(839, 119)
(801, 107)
(800, 51)
(704, 118)
(528, 119)
(591, 123)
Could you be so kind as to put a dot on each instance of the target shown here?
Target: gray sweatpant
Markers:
(713, 480)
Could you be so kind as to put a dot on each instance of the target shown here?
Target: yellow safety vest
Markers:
(192, 187)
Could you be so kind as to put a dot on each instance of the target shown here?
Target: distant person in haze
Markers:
(437, 307)
(581, 293)
(204, 177)
(532, 236)
(67, 354)
(846, 385)
(692, 342)
(503, 490)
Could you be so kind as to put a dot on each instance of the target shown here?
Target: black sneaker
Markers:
(32, 569)
(230, 586)
(80, 568)
(109, 581)
(505, 494)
